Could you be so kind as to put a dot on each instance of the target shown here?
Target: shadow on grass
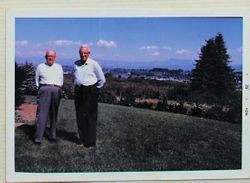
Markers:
(29, 131)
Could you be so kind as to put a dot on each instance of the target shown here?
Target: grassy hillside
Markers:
(131, 139)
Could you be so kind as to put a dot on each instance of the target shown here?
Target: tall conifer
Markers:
(212, 80)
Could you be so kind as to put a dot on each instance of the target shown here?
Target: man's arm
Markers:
(37, 76)
(61, 75)
(100, 76)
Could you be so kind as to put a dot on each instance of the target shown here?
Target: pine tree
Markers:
(20, 76)
(28, 85)
(212, 80)
(24, 82)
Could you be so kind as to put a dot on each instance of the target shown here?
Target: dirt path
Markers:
(27, 112)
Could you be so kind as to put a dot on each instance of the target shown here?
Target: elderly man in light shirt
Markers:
(88, 79)
(49, 80)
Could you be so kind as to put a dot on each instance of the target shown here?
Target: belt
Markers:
(41, 85)
(87, 86)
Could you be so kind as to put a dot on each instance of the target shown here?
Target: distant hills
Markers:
(111, 64)
(171, 64)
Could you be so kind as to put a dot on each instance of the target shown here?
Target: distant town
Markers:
(161, 74)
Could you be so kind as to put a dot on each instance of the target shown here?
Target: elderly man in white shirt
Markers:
(49, 80)
(88, 79)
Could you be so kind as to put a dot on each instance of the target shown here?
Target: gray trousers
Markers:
(48, 104)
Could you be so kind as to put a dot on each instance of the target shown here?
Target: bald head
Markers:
(48, 52)
(85, 48)
(84, 52)
(50, 57)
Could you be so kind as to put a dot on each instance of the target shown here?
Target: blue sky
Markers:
(125, 40)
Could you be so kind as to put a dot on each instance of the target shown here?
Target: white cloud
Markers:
(22, 43)
(106, 44)
(38, 46)
(155, 53)
(64, 42)
(90, 44)
(182, 52)
(151, 50)
(239, 49)
(167, 48)
(37, 53)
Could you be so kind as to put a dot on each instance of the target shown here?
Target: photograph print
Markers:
(128, 94)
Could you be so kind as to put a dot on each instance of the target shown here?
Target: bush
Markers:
(24, 82)
(145, 105)
(106, 97)
(196, 111)
(176, 108)
(20, 76)
(215, 113)
(235, 112)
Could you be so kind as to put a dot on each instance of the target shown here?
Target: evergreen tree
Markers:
(212, 80)
(29, 86)
(24, 82)
(20, 76)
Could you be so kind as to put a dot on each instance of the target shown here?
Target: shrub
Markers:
(176, 108)
(20, 76)
(145, 105)
(196, 111)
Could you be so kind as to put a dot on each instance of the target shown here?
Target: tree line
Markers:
(211, 92)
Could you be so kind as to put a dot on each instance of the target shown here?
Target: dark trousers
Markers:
(48, 104)
(86, 104)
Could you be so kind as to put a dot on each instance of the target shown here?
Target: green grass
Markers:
(132, 139)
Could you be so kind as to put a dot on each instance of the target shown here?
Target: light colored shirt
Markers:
(46, 74)
(88, 73)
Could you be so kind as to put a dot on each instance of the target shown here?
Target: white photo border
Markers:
(12, 14)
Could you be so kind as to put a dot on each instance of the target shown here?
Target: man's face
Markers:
(84, 54)
(50, 57)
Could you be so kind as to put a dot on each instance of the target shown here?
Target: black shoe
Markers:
(53, 140)
(37, 143)
(90, 147)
